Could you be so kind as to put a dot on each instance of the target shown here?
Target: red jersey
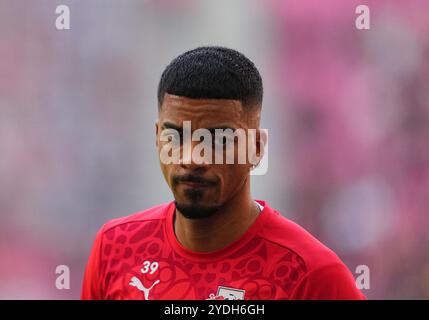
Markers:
(139, 257)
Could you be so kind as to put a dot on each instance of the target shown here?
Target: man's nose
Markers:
(195, 154)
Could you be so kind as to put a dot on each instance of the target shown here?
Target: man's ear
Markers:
(260, 143)
(156, 132)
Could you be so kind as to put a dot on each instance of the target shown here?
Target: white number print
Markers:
(149, 266)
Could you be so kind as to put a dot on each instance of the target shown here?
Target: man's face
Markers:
(202, 189)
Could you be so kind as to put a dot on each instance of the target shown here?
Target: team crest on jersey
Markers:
(225, 293)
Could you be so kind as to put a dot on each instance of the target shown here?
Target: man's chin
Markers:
(196, 211)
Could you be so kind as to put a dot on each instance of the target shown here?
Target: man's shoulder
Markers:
(287, 234)
(153, 214)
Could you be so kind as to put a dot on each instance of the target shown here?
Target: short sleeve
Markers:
(331, 282)
(92, 281)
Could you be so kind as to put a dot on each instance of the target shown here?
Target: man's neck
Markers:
(220, 229)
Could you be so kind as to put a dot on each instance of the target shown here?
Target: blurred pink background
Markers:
(347, 111)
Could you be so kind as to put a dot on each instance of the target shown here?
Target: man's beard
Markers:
(196, 210)
(194, 206)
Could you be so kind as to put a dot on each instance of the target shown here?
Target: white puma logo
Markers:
(135, 282)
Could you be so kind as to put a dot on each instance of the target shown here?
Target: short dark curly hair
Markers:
(212, 72)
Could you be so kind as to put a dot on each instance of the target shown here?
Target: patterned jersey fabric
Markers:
(139, 257)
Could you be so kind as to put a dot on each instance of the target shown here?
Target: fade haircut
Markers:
(212, 73)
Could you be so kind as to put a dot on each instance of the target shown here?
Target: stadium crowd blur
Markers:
(347, 112)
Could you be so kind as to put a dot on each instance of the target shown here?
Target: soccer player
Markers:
(214, 241)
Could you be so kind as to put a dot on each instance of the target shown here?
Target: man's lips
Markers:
(196, 184)
(193, 181)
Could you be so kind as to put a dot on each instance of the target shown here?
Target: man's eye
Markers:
(172, 137)
(221, 140)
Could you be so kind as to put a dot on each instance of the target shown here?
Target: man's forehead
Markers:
(206, 112)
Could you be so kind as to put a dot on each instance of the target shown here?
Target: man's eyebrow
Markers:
(169, 125)
(212, 130)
